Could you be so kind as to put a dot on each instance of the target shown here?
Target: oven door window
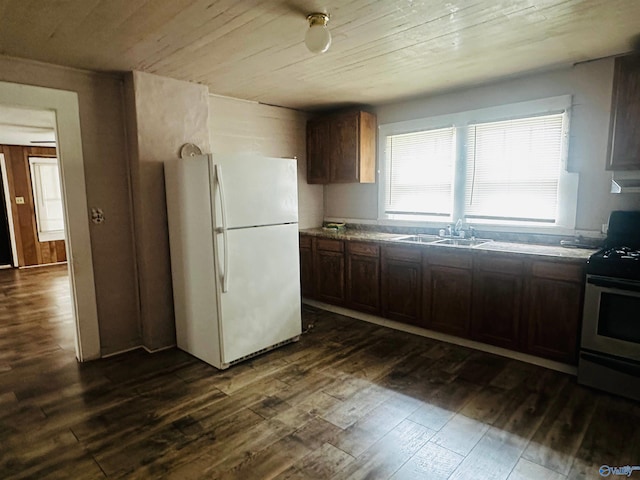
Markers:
(619, 317)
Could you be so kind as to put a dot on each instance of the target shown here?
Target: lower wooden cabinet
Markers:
(363, 277)
(402, 284)
(554, 310)
(329, 271)
(446, 292)
(534, 306)
(497, 301)
(307, 276)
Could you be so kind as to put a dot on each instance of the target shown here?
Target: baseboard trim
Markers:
(137, 347)
(120, 352)
(24, 267)
(463, 342)
(159, 349)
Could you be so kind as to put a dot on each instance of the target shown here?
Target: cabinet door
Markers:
(318, 151)
(363, 277)
(345, 158)
(401, 285)
(329, 270)
(624, 141)
(447, 299)
(497, 302)
(554, 310)
(368, 133)
(306, 267)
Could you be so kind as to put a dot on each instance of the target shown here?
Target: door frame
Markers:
(64, 106)
(7, 204)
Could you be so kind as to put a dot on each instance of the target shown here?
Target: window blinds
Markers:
(420, 172)
(513, 168)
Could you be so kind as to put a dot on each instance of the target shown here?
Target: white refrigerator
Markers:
(233, 232)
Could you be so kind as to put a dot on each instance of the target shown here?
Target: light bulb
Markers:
(318, 37)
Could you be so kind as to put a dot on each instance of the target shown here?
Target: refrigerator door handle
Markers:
(223, 230)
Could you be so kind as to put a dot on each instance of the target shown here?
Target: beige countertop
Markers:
(557, 253)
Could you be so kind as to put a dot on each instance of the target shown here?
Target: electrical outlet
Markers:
(19, 200)
(97, 216)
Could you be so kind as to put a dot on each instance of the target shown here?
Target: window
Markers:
(47, 197)
(499, 166)
(513, 169)
(420, 171)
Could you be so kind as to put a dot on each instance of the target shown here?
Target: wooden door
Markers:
(401, 284)
(345, 158)
(447, 299)
(624, 140)
(318, 151)
(446, 292)
(554, 310)
(329, 271)
(306, 267)
(363, 277)
(497, 301)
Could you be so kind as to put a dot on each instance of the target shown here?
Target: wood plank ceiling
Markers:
(382, 51)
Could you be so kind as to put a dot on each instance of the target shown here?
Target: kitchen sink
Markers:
(436, 240)
(462, 242)
(417, 238)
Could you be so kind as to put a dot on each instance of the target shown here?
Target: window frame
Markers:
(422, 216)
(567, 182)
(52, 235)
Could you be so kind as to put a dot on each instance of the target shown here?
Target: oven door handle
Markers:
(616, 284)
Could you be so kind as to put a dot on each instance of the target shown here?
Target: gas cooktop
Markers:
(620, 257)
(621, 253)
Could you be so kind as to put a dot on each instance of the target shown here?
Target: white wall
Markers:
(163, 114)
(589, 83)
(239, 126)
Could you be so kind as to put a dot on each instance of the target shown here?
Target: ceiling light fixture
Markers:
(318, 37)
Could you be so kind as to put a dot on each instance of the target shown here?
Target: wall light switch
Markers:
(20, 200)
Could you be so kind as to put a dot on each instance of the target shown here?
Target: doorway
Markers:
(63, 106)
(6, 252)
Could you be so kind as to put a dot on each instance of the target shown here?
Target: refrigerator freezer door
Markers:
(258, 190)
(192, 258)
(262, 305)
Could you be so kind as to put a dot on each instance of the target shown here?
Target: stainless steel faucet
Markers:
(458, 227)
(453, 231)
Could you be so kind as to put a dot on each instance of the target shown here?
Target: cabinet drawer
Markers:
(365, 249)
(329, 245)
(305, 241)
(454, 260)
(558, 271)
(402, 253)
(499, 265)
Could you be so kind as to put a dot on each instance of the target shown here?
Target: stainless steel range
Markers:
(610, 344)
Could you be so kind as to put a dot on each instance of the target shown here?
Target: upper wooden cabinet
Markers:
(624, 135)
(341, 148)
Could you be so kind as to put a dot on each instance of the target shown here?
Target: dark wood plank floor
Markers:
(349, 401)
